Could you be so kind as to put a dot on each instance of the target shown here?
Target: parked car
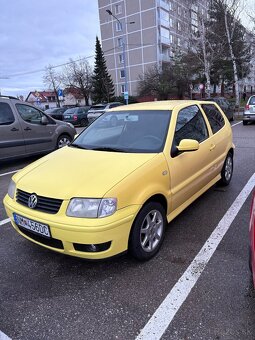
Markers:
(97, 110)
(225, 105)
(249, 111)
(252, 239)
(56, 113)
(77, 115)
(128, 181)
(26, 130)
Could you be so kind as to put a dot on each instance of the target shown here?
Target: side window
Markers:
(190, 125)
(6, 115)
(29, 114)
(214, 116)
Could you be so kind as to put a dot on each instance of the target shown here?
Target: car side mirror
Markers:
(44, 120)
(188, 145)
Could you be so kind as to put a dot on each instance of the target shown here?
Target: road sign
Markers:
(60, 93)
(126, 95)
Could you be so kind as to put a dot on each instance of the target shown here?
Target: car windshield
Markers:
(51, 110)
(126, 131)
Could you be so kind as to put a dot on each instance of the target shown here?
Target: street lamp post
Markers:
(124, 55)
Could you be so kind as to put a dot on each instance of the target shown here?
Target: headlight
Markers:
(91, 207)
(11, 189)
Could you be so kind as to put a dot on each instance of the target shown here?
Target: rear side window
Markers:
(190, 125)
(214, 116)
(29, 114)
(252, 101)
(6, 115)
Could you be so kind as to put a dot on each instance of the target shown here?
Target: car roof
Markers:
(159, 105)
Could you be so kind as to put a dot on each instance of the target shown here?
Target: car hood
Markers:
(70, 172)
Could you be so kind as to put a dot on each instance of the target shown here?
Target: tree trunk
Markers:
(233, 60)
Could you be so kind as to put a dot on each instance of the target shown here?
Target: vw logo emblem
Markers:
(32, 201)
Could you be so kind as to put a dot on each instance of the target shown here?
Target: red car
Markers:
(252, 239)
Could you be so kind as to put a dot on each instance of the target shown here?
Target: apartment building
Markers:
(137, 34)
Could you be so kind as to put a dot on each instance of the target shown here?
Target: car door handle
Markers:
(27, 129)
(14, 129)
(212, 147)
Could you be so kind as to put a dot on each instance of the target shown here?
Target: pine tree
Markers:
(103, 88)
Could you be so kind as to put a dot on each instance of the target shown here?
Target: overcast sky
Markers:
(34, 34)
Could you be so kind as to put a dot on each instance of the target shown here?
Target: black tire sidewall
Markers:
(134, 246)
(223, 180)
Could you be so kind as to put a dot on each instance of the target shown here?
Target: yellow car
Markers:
(117, 186)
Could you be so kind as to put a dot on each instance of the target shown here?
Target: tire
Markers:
(84, 122)
(144, 227)
(227, 170)
(63, 140)
(245, 122)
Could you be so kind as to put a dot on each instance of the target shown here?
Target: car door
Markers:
(38, 137)
(190, 171)
(11, 137)
(220, 137)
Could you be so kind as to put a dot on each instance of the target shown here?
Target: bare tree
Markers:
(52, 80)
(78, 74)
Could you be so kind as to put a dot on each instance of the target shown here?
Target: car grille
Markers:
(45, 204)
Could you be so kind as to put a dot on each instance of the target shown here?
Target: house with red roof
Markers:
(42, 99)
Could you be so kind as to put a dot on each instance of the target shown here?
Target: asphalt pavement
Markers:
(46, 295)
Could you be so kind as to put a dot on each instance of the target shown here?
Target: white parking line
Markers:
(7, 220)
(165, 313)
(236, 124)
(4, 336)
(10, 172)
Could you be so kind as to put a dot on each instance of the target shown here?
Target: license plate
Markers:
(67, 116)
(33, 226)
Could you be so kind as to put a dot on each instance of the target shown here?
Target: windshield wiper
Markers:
(106, 148)
(77, 146)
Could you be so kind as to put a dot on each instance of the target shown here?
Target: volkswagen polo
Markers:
(128, 180)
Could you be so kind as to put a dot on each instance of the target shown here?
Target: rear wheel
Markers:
(227, 170)
(148, 231)
(245, 122)
(63, 140)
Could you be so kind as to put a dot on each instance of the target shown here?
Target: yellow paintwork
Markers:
(130, 177)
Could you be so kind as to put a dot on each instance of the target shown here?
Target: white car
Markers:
(249, 111)
(97, 110)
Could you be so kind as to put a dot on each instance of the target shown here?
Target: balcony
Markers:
(165, 57)
(165, 41)
(164, 4)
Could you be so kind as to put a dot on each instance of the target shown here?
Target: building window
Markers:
(122, 73)
(120, 42)
(118, 9)
(121, 58)
(118, 26)
(179, 10)
(170, 22)
(170, 6)
(122, 88)
(171, 38)
(179, 26)
(178, 42)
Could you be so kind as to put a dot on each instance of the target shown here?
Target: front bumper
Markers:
(68, 231)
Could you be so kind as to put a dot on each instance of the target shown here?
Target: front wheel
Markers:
(63, 140)
(245, 122)
(148, 231)
(227, 170)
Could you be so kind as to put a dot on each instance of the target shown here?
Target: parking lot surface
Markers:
(45, 295)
